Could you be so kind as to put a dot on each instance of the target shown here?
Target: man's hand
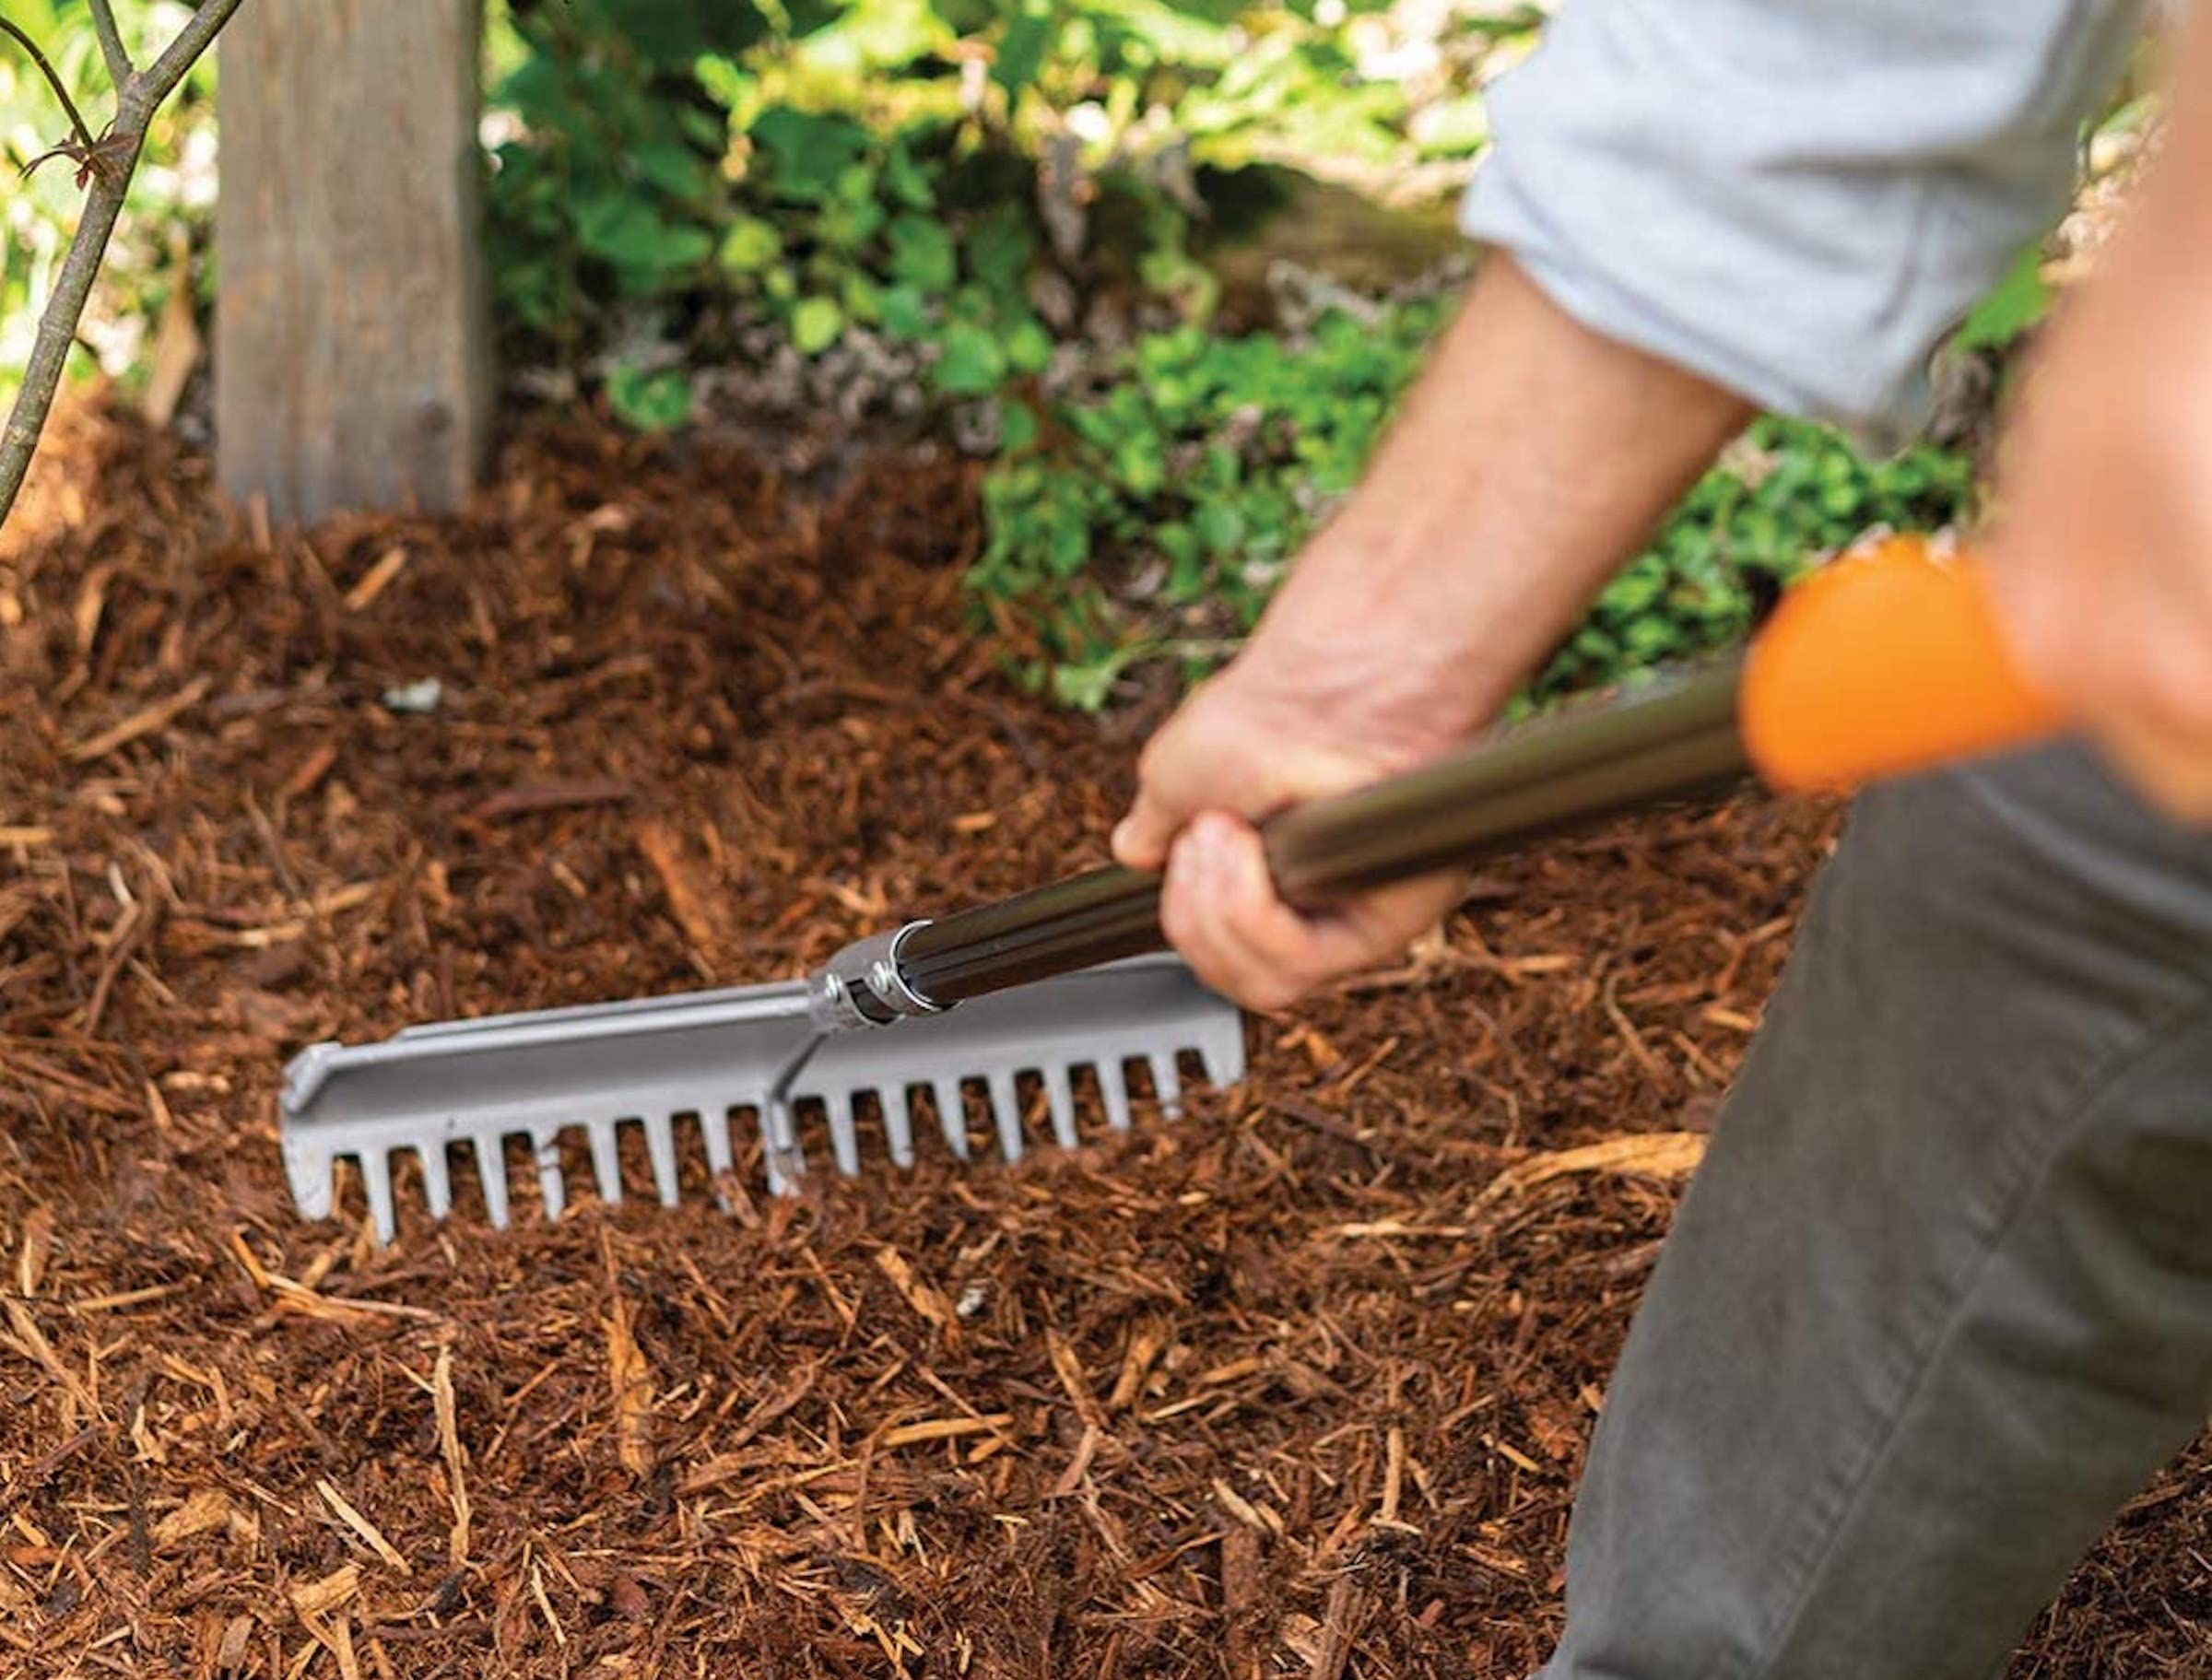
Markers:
(1526, 465)
(2102, 563)
(1252, 742)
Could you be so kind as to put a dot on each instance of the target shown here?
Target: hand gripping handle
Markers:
(1883, 662)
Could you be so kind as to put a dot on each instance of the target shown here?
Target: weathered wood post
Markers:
(352, 329)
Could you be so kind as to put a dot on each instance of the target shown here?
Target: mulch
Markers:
(1297, 1385)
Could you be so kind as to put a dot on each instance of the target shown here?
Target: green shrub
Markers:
(671, 174)
(1161, 512)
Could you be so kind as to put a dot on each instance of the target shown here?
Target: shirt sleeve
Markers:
(1795, 198)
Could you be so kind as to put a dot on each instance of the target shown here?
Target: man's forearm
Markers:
(1528, 464)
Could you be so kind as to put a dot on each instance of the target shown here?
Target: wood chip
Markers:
(930, 1302)
(1147, 1342)
(689, 901)
(318, 1598)
(630, 1378)
(36, 1247)
(449, 1447)
(1663, 1155)
(943, 1429)
(142, 723)
(370, 1533)
(1068, 1367)
(531, 798)
(377, 579)
(205, 1511)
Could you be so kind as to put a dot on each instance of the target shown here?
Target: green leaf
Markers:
(807, 153)
(1029, 347)
(658, 401)
(2017, 302)
(922, 253)
(1018, 427)
(1221, 527)
(751, 245)
(1021, 49)
(675, 30)
(905, 314)
(998, 251)
(816, 324)
(907, 180)
(675, 169)
(971, 363)
(806, 17)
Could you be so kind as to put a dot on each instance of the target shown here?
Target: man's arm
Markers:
(1532, 457)
(2103, 558)
(1789, 199)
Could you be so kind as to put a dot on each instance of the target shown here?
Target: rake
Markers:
(1884, 662)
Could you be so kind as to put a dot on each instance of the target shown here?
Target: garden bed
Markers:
(1297, 1385)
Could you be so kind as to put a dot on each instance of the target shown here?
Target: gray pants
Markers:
(1940, 1299)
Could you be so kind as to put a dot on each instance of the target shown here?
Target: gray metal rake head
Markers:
(715, 1059)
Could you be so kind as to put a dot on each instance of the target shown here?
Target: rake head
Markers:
(726, 1060)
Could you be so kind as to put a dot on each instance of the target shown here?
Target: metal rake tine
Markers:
(376, 1181)
(1113, 1090)
(714, 1128)
(786, 1162)
(844, 1132)
(1005, 1112)
(552, 1184)
(660, 1147)
(952, 1116)
(437, 1182)
(1060, 1097)
(1167, 1084)
(606, 1158)
(898, 1126)
(491, 1172)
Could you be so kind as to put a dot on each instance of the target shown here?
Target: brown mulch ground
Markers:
(1224, 1399)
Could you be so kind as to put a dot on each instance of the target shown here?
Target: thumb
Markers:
(1141, 839)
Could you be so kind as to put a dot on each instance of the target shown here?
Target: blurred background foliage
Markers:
(164, 239)
(1163, 266)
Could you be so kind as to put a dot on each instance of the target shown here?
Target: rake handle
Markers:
(1876, 665)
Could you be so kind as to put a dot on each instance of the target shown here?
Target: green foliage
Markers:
(688, 168)
(2017, 304)
(1161, 521)
(1162, 518)
(170, 195)
(1788, 493)
(654, 401)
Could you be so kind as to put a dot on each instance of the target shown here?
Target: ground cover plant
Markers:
(1154, 517)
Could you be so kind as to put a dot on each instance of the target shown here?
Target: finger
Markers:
(1219, 910)
(1142, 837)
(1382, 924)
(1223, 912)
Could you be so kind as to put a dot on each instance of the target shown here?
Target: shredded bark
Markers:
(1297, 1385)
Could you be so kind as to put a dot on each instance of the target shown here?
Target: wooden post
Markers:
(352, 328)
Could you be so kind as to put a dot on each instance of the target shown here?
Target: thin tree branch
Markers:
(61, 91)
(120, 68)
(138, 98)
(57, 325)
(192, 41)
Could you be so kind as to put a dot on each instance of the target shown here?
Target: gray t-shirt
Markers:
(1796, 198)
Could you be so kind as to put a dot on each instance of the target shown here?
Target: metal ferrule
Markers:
(865, 986)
